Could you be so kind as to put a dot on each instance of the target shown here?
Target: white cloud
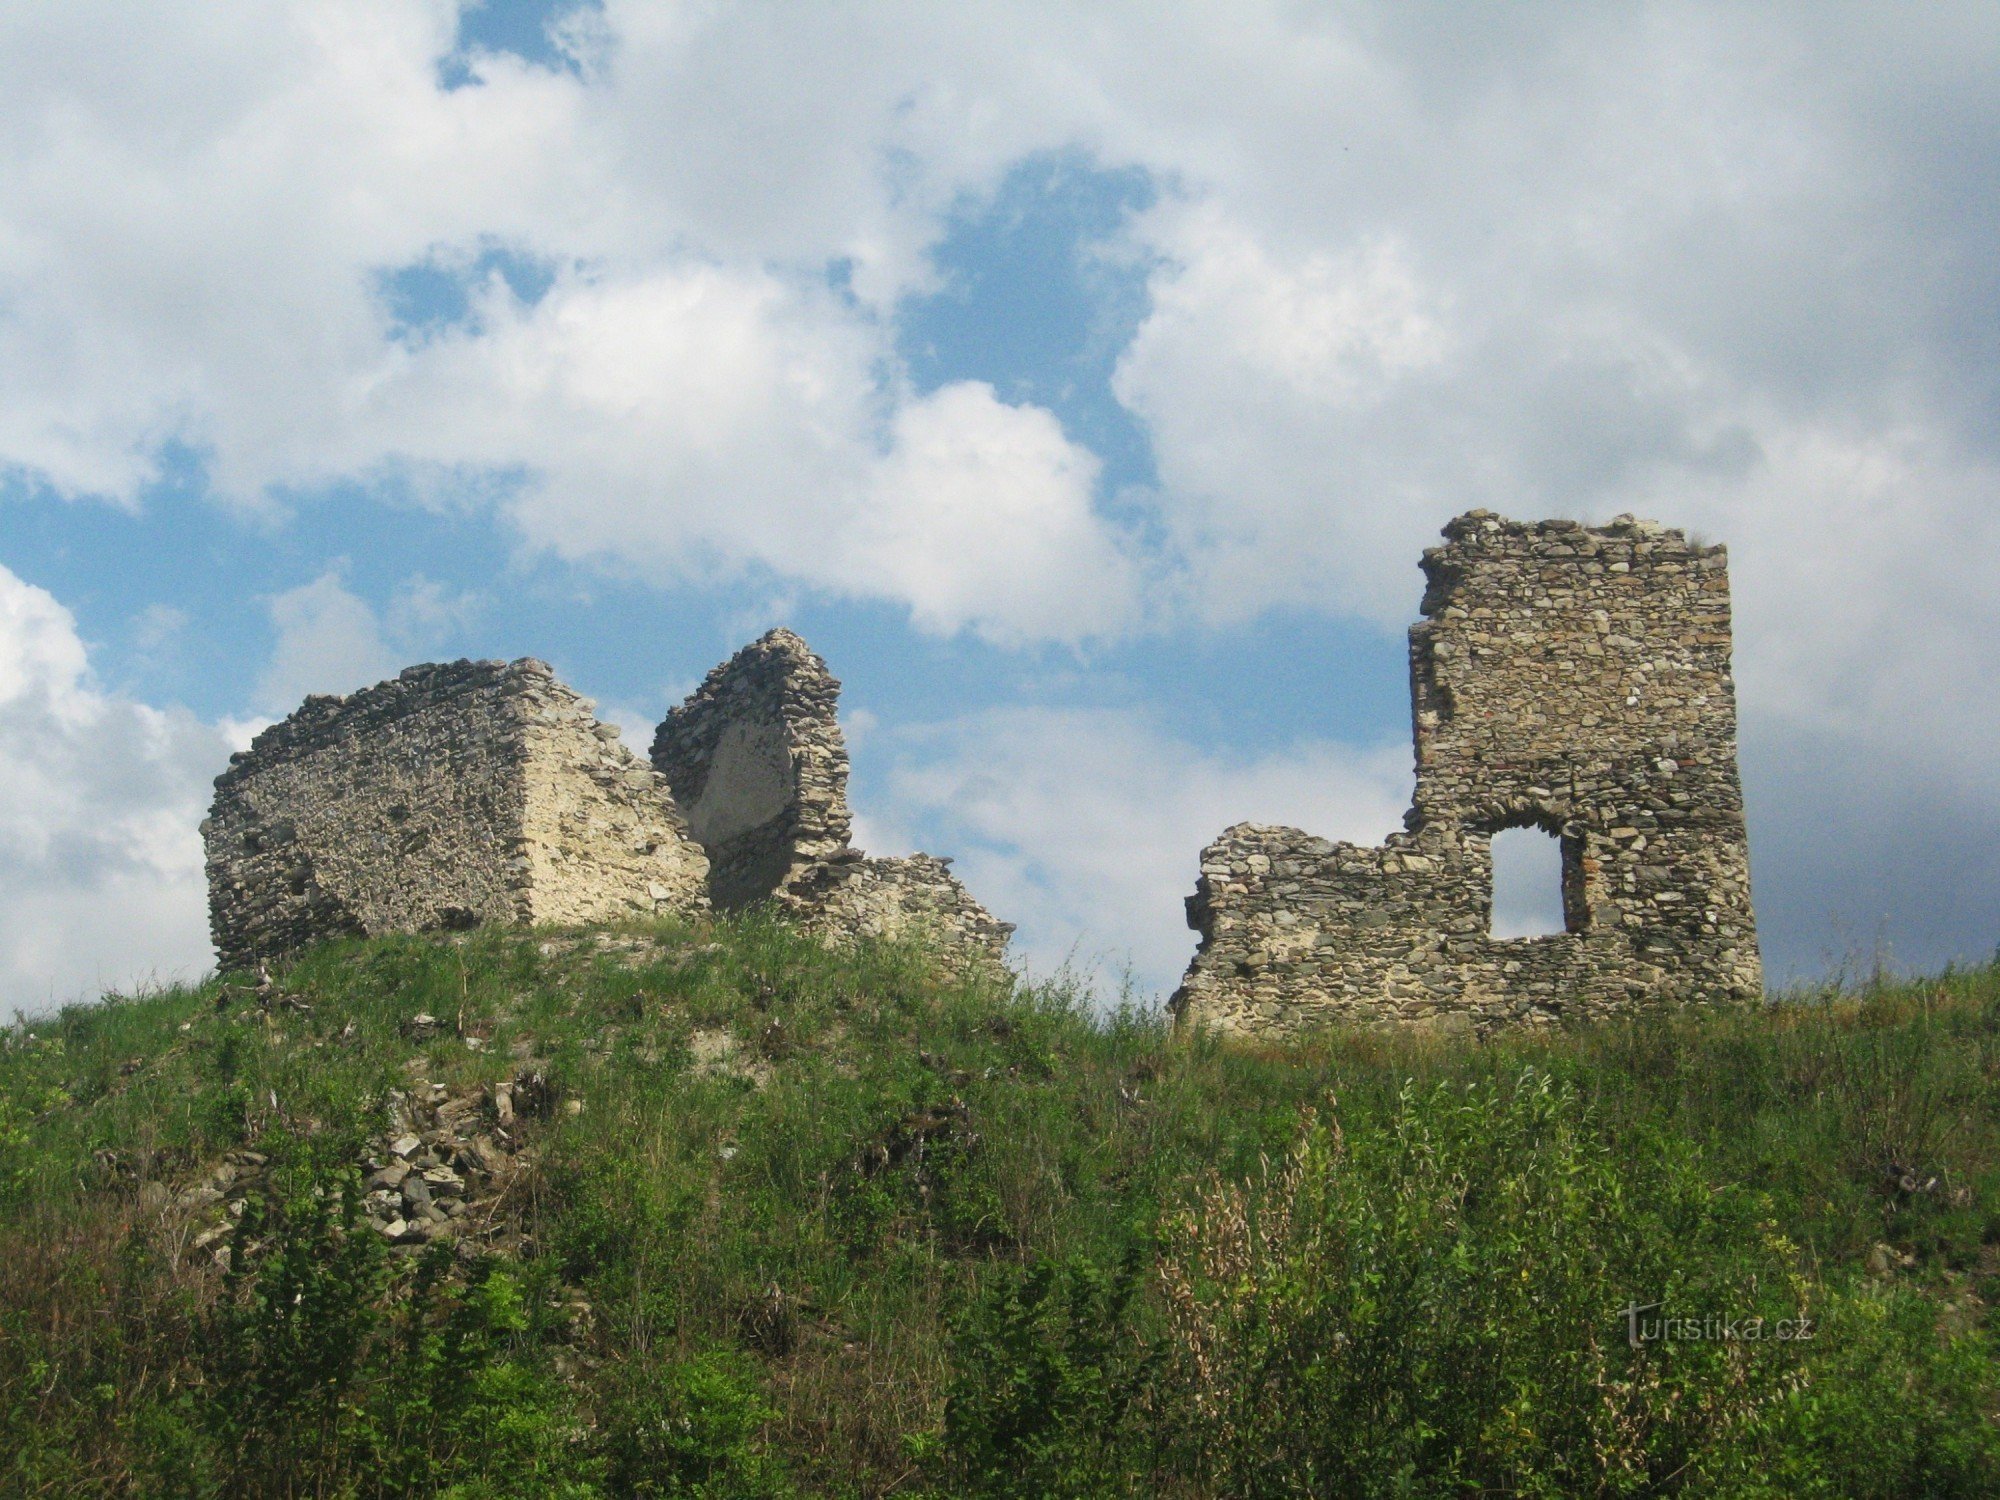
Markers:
(424, 609)
(197, 215)
(1276, 391)
(1727, 266)
(980, 516)
(1537, 261)
(1085, 827)
(101, 880)
(329, 641)
(157, 627)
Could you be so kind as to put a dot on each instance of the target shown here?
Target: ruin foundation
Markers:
(451, 796)
(1569, 678)
(757, 761)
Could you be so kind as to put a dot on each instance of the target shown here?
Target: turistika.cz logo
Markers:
(1711, 1329)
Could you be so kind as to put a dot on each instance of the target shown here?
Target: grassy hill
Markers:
(716, 1212)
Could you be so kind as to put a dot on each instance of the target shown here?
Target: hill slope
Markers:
(718, 1212)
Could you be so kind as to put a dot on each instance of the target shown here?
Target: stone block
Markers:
(450, 796)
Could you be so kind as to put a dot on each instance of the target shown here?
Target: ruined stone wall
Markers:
(602, 833)
(451, 796)
(1571, 678)
(758, 765)
(757, 759)
(915, 896)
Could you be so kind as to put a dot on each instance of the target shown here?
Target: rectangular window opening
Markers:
(1527, 884)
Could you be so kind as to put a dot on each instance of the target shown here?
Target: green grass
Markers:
(910, 1236)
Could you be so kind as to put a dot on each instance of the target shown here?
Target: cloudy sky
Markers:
(1083, 382)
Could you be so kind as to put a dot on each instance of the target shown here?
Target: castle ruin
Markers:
(450, 796)
(1563, 677)
(470, 793)
(757, 759)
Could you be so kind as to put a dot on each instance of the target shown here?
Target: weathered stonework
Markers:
(758, 765)
(1570, 678)
(851, 896)
(451, 796)
(757, 760)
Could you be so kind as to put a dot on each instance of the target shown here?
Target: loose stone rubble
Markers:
(851, 896)
(451, 796)
(1564, 677)
(441, 1170)
(757, 759)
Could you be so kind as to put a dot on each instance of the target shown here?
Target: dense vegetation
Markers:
(790, 1222)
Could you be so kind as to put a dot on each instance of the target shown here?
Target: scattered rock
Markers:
(1909, 1182)
(1885, 1258)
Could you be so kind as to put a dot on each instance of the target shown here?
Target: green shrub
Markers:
(323, 1372)
(1890, 1406)
(16, 1163)
(286, 1348)
(1439, 1304)
(690, 1428)
(1048, 1378)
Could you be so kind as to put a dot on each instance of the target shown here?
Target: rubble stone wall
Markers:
(603, 834)
(758, 765)
(757, 759)
(1570, 678)
(914, 896)
(451, 796)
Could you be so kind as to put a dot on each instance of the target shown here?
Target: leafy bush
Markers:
(1440, 1305)
(15, 1160)
(322, 1373)
(691, 1428)
(1890, 1407)
(285, 1350)
(1049, 1377)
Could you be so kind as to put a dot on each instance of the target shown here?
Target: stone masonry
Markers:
(757, 760)
(451, 796)
(1565, 677)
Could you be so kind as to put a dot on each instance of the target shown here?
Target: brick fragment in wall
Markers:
(1566, 677)
(758, 762)
(453, 795)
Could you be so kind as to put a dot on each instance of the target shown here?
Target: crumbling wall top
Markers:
(756, 758)
(1569, 677)
(757, 762)
(452, 795)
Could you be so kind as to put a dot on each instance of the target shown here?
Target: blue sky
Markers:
(1083, 392)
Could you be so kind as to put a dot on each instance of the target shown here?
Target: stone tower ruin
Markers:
(1564, 677)
(757, 760)
(451, 796)
(487, 792)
